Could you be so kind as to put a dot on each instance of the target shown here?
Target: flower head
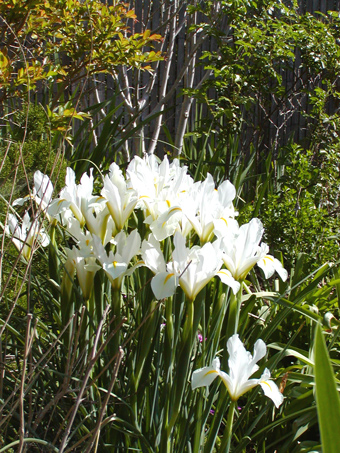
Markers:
(196, 266)
(164, 282)
(26, 234)
(85, 266)
(42, 192)
(206, 205)
(116, 265)
(241, 366)
(120, 199)
(242, 249)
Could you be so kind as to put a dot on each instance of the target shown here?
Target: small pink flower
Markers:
(200, 337)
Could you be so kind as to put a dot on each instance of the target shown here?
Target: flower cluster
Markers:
(174, 206)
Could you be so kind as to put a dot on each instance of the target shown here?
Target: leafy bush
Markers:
(301, 212)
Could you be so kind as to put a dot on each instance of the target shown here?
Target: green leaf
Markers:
(327, 398)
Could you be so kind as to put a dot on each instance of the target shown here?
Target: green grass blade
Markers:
(327, 398)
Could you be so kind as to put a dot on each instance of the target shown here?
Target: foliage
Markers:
(327, 397)
(25, 147)
(294, 185)
(66, 41)
(301, 211)
(55, 47)
(259, 48)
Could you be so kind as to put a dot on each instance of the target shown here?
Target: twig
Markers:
(22, 386)
(95, 438)
(93, 359)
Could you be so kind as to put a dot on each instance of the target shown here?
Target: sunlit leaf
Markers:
(327, 397)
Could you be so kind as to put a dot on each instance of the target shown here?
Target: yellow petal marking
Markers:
(267, 257)
(168, 278)
(210, 372)
(225, 272)
(265, 382)
(175, 209)
(169, 214)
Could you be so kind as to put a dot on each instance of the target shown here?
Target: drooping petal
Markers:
(228, 279)
(205, 376)
(152, 255)
(114, 270)
(270, 389)
(163, 285)
(269, 265)
(167, 223)
(226, 228)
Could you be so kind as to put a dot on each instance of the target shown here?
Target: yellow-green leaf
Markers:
(3, 60)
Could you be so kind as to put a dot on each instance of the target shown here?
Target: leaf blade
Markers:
(327, 398)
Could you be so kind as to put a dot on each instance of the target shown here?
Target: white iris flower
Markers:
(26, 234)
(42, 192)
(120, 199)
(242, 249)
(116, 264)
(164, 282)
(241, 366)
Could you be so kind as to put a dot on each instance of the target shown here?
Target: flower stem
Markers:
(183, 363)
(234, 312)
(116, 312)
(228, 432)
(217, 419)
